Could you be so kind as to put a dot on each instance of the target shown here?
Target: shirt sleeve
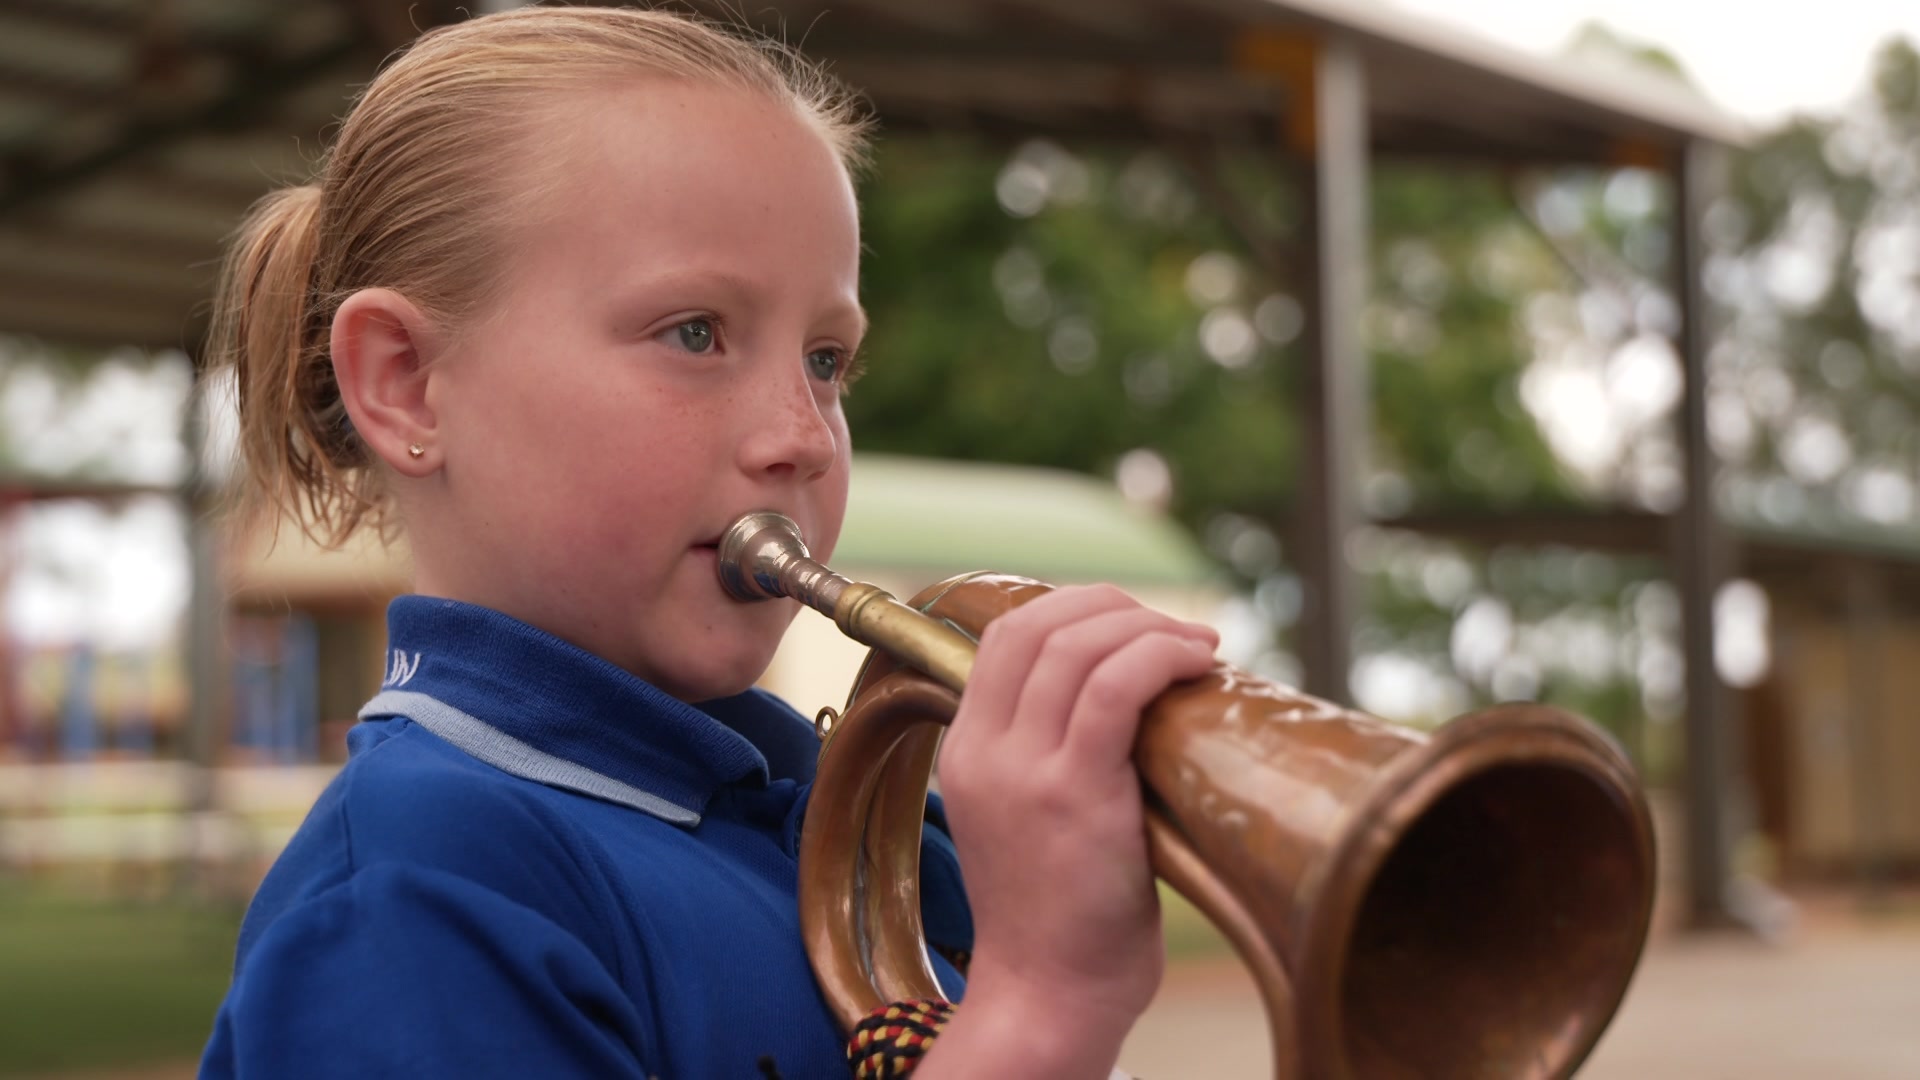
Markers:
(402, 971)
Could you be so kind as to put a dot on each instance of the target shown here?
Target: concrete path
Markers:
(1834, 1003)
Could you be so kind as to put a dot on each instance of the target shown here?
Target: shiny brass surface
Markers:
(1469, 903)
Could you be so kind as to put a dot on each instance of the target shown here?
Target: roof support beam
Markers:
(83, 320)
(1699, 566)
(100, 21)
(209, 674)
(1332, 397)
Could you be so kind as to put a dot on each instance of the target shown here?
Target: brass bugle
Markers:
(1465, 904)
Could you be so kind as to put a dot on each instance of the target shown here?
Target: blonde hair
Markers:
(413, 196)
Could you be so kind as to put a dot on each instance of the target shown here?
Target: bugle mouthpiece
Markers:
(763, 556)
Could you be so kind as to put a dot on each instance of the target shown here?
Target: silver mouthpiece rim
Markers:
(753, 549)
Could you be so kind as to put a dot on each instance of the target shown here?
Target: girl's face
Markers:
(668, 353)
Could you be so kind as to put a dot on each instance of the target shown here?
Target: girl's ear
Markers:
(382, 351)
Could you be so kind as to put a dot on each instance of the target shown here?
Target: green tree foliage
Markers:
(1817, 262)
(1111, 310)
(1453, 267)
(1065, 337)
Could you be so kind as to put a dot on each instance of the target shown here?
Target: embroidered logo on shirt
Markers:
(400, 673)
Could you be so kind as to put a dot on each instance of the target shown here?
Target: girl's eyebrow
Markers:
(732, 286)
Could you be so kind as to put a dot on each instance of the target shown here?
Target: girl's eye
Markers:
(826, 364)
(697, 335)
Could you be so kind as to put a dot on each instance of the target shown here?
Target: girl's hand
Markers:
(1044, 800)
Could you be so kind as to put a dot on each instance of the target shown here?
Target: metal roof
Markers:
(134, 134)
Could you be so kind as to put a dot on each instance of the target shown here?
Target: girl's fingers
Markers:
(1106, 714)
(1068, 656)
(1012, 642)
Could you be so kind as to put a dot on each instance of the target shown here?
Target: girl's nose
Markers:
(790, 433)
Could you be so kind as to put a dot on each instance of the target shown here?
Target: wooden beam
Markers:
(1334, 417)
(1112, 19)
(114, 281)
(109, 22)
(209, 674)
(62, 91)
(1699, 565)
(74, 320)
(105, 243)
(224, 193)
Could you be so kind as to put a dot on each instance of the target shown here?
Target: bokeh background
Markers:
(1440, 353)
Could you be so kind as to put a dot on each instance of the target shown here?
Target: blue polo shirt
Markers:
(536, 864)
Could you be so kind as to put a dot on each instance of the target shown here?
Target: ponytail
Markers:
(297, 449)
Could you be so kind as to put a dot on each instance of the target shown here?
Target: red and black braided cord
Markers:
(890, 1042)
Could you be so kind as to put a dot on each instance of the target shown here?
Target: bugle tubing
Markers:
(1466, 904)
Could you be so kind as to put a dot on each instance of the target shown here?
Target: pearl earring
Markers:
(416, 450)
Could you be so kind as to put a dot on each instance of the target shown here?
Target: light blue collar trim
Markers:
(508, 754)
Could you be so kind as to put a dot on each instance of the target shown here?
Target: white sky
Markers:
(1759, 60)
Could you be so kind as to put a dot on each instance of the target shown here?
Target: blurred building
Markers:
(1833, 727)
(1826, 700)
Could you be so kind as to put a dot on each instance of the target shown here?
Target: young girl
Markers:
(574, 289)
